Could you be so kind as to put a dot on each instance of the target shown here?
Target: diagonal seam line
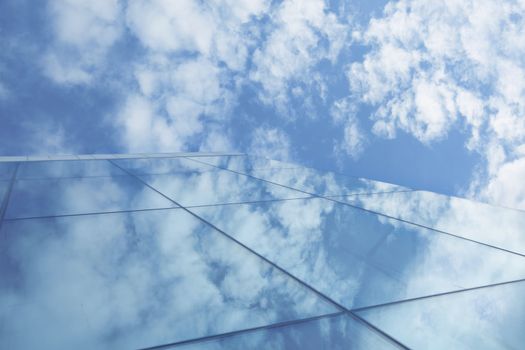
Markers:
(373, 212)
(359, 309)
(7, 195)
(238, 242)
(246, 330)
(306, 167)
(87, 214)
(149, 209)
(292, 188)
(378, 330)
(301, 282)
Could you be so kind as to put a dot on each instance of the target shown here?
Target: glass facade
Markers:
(228, 251)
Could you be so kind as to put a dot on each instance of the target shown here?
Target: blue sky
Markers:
(426, 94)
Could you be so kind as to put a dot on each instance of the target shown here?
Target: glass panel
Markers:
(160, 166)
(485, 223)
(336, 332)
(244, 163)
(301, 178)
(358, 258)
(6, 170)
(324, 184)
(45, 197)
(67, 168)
(3, 189)
(486, 318)
(134, 280)
(217, 187)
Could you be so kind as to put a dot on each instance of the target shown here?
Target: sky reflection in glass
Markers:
(501, 227)
(359, 258)
(132, 280)
(66, 196)
(333, 332)
(151, 276)
(6, 170)
(300, 178)
(485, 318)
(66, 169)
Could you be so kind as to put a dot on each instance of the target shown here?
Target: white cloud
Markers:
(344, 112)
(506, 186)
(83, 33)
(171, 25)
(270, 143)
(294, 47)
(4, 91)
(436, 65)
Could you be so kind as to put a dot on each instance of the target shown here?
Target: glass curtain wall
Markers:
(218, 251)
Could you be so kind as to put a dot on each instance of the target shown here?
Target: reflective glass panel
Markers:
(67, 168)
(217, 187)
(335, 332)
(244, 163)
(6, 170)
(65, 196)
(359, 258)
(161, 166)
(133, 280)
(3, 189)
(486, 318)
(301, 178)
(501, 227)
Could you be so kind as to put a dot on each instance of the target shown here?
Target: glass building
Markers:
(228, 251)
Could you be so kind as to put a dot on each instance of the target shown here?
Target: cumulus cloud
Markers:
(83, 33)
(436, 65)
(270, 143)
(305, 33)
(353, 142)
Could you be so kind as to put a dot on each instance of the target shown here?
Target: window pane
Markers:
(302, 178)
(160, 166)
(337, 332)
(485, 223)
(217, 187)
(245, 163)
(134, 280)
(359, 258)
(67, 168)
(486, 318)
(6, 170)
(66, 196)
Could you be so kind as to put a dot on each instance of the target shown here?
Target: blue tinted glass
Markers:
(216, 187)
(333, 332)
(44, 197)
(299, 177)
(244, 163)
(67, 168)
(485, 223)
(485, 318)
(160, 166)
(134, 280)
(3, 189)
(6, 170)
(358, 258)
(323, 183)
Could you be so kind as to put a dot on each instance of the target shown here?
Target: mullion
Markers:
(246, 330)
(437, 295)
(286, 272)
(7, 195)
(377, 213)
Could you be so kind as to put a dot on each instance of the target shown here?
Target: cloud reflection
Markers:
(359, 258)
(131, 280)
(485, 223)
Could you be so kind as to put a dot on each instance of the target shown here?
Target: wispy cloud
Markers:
(435, 66)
